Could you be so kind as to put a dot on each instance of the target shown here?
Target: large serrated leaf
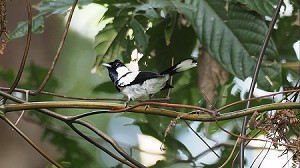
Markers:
(111, 41)
(234, 38)
(263, 7)
(21, 30)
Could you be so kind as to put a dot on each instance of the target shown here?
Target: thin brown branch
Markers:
(69, 120)
(26, 50)
(110, 140)
(256, 98)
(80, 133)
(209, 147)
(30, 142)
(255, 76)
(58, 50)
(243, 138)
(117, 108)
(171, 81)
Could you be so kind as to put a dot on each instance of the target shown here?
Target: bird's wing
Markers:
(137, 78)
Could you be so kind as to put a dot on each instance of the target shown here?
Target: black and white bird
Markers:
(143, 84)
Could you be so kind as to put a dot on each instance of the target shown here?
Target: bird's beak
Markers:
(106, 65)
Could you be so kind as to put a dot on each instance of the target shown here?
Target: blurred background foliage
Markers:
(224, 36)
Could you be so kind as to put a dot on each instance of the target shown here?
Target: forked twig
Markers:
(255, 76)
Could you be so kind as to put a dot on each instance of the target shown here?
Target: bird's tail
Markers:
(181, 66)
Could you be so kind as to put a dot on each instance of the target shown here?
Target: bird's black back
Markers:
(143, 76)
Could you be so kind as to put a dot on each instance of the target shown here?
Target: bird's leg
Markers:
(126, 103)
(150, 95)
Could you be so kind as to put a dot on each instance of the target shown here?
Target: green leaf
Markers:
(8, 75)
(146, 10)
(170, 28)
(186, 9)
(186, 86)
(173, 5)
(156, 126)
(140, 36)
(234, 38)
(285, 36)
(182, 43)
(21, 30)
(58, 7)
(111, 41)
(265, 7)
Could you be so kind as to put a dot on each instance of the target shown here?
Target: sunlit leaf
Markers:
(111, 41)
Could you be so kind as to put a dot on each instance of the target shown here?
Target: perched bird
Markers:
(141, 84)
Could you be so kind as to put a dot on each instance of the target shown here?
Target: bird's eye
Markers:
(118, 64)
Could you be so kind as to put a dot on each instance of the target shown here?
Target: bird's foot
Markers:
(126, 104)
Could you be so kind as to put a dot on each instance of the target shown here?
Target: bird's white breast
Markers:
(148, 87)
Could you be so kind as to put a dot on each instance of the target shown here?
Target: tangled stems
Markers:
(129, 161)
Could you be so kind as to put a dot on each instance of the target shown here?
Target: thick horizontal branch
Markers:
(117, 108)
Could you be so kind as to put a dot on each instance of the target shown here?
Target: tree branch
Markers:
(26, 50)
(117, 108)
(29, 141)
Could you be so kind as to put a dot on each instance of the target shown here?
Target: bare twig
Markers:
(256, 98)
(30, 142)
(80, 133)
(255, 76)
(25, 54)
(69, 120)
(260, 154)
(23, 112)
(243, 138)
(58, 50)
(211, 149)
(110, 140)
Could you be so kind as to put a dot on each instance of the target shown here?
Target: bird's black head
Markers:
(112, 69)
(113, 65)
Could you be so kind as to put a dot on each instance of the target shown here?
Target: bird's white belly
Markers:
(150, 86)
